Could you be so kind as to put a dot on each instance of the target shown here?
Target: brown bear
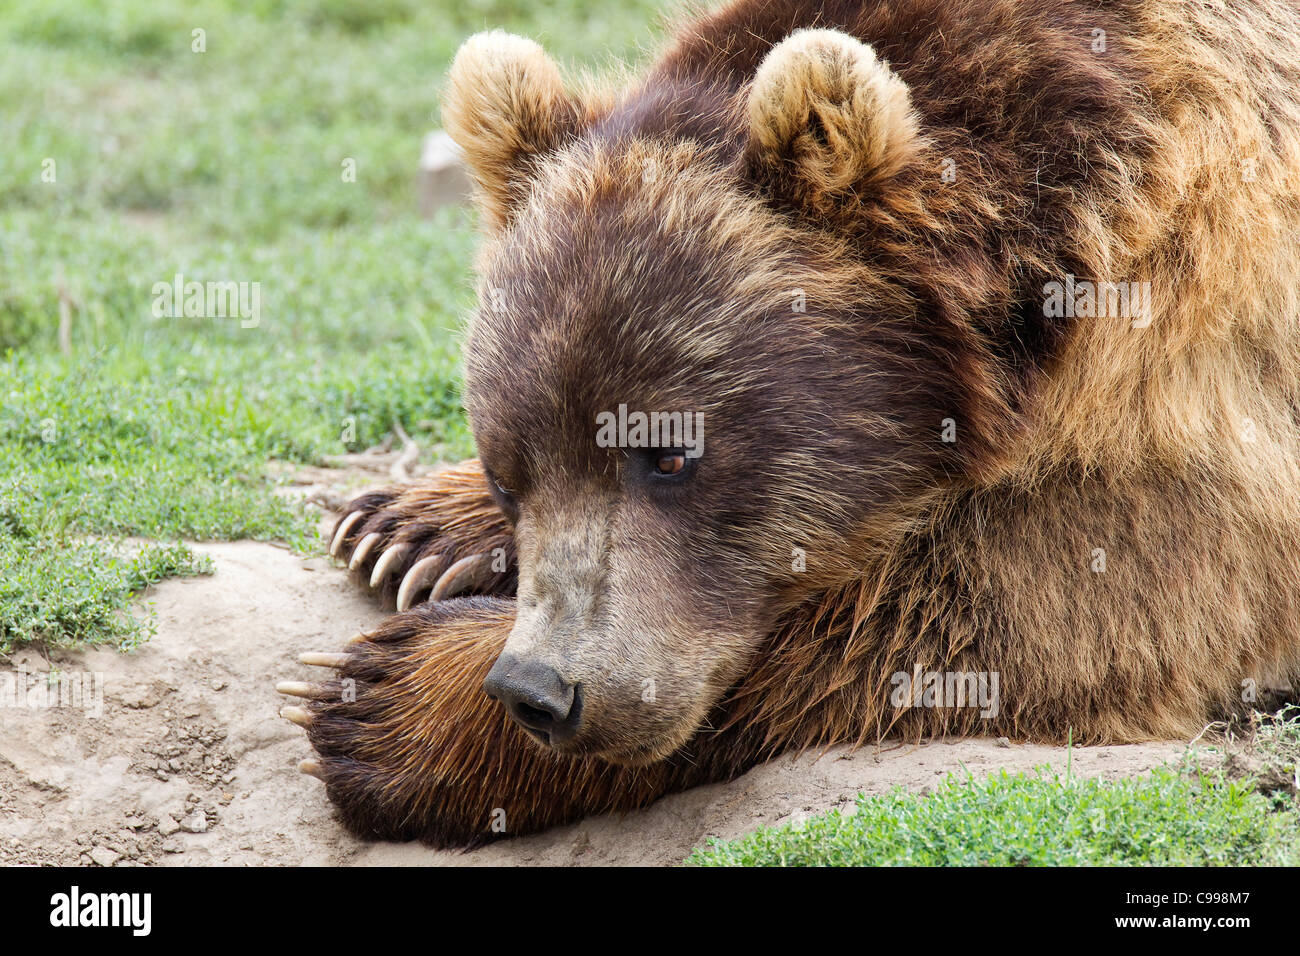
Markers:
(988, 315)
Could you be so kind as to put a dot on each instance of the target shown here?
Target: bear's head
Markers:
(697, 404)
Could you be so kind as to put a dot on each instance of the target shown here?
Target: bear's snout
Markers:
(536, 696)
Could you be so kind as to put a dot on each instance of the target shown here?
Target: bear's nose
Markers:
(536, 696)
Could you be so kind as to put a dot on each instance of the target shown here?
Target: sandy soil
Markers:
(189, 763)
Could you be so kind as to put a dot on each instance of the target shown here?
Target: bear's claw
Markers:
(296, 715)
(387, 562)
(323, 659)
(466, 575)
(424, 572)
(297, 688)
(341, 532)
(363, 550)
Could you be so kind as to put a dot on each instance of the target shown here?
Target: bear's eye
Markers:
(505, 498)
(671, 462)
(664, 466)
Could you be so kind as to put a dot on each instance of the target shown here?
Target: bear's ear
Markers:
(505, 105)
(828, 118)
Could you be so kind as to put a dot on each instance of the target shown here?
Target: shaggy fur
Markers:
(1114, 531)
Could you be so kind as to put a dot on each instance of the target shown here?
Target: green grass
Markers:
(224, 165)
(1178, 816)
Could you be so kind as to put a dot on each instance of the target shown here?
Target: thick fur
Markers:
(644, 246)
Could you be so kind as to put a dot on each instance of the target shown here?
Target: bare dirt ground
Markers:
(190, 764)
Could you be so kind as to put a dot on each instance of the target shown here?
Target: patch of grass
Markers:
(1262, 749)
(133, 158)
(247, 137)
(1178, 816)
(61, 590)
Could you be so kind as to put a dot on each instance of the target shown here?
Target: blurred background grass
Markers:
(224, 165)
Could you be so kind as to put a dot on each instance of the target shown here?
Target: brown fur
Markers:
(643, 248)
